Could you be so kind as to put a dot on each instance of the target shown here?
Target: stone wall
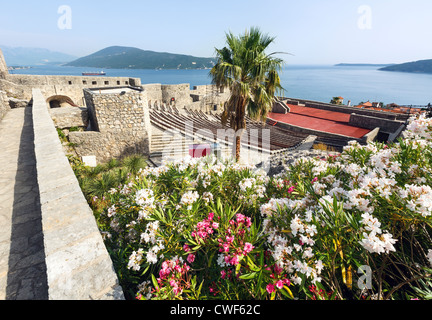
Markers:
(179, 92)
(4, 104)
(154, 94)
(200, 98)
(3, 67)
(69, 117)
(121, 122)
(78, 264)
(70, 86)
(368, 122)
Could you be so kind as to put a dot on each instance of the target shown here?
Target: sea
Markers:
(310, 82)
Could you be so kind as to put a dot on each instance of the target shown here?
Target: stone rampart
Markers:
(4, 104)
(3, 67)
(204, 98)
(368, 122)
(178, 94)
(78, 264)
(20, 86)
(120, 124)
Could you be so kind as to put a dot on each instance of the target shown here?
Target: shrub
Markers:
(205, 229)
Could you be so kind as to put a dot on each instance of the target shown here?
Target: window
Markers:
(127, 83)
(84, 82)
(70, 82)
(118, 83)
(94, 83)
(106, 83)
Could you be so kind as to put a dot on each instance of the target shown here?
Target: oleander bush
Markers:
(354, 226)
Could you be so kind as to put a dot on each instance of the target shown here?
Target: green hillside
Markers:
(134, 58)
(422, 66)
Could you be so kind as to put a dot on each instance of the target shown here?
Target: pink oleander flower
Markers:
(248, 248)
(225, 247)
(186, 248)
(210, 216)
(235, 260)
(279, 284)
(215, 225)
(291, 189)
(227, 259)
(270, 288)
(240, 218)
(177, 290)
(223, 274)
(191, 258)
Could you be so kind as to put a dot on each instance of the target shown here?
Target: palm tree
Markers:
(252, 77)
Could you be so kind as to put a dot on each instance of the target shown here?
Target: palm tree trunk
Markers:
(240, 125)
(238, 138)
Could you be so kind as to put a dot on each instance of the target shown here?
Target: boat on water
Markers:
(102, 73)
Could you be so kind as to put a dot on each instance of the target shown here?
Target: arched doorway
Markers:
(60, 101)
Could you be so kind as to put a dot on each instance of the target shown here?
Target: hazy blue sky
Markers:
(314, 31)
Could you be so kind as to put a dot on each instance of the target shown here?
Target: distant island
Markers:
(421, 66)
(117, 57)
(362, 65)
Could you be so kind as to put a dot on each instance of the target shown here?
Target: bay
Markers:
(311, 82)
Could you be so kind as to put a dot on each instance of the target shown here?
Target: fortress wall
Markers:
(180, 92)
(78, 264)
(3, 67)
(20, 86)
(154, 93)
(368, 122)
(4, 104)
(122, 122)
(201, 98)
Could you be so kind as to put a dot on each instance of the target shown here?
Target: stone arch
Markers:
(59, 101)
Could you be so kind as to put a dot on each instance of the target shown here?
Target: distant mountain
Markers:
(361, 65)
(20, 56)
(422, 66)
(133, 58)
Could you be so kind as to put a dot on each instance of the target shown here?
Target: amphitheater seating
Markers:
(169, 118)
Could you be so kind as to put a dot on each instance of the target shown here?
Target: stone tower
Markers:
(3, 67)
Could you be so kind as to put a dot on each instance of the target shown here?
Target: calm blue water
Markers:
(319, 83)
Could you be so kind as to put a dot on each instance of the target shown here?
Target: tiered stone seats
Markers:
(169, 118)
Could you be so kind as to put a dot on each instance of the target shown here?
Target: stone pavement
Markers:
(22, 257)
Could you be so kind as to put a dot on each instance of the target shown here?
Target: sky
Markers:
(311, 31)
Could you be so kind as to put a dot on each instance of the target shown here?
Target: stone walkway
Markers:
(22, 257)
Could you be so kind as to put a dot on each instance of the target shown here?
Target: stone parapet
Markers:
(4, 104)
(78, 264)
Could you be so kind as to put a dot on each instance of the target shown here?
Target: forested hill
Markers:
(422, 66)
(133, 58)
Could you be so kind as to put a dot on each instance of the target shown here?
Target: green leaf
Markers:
(154, 281)
(249, 276)
(145, 271)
